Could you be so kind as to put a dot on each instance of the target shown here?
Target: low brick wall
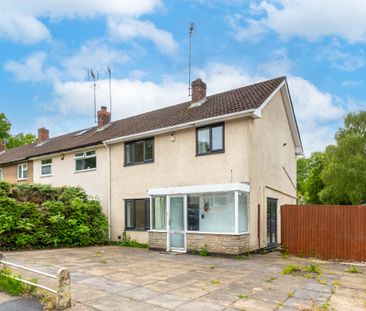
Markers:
(214, 243)
(157, 240)
(218, 243)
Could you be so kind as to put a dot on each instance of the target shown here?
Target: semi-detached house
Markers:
(211, 172)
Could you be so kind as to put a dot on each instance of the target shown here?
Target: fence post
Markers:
(63, 298)
(2, 258)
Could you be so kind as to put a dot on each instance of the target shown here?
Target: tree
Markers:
(309, 183)
(5, 126)
(344, 173)
(20, 140)
(13, 141)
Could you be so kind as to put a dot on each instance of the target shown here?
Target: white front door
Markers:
(176, 225)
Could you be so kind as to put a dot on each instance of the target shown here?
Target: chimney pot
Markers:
(2, 146)
(198, 90)
(104, 117)
(43, 135)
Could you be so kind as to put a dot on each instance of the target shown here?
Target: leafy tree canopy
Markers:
(20, 140)
(5, 126)
(309, 183)
(344, 173)
(13, 141)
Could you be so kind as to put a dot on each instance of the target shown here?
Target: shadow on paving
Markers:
(21, 304)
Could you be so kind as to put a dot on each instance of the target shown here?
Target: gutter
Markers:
(202, 122)
(109, 191)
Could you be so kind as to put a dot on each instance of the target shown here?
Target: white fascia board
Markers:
(169, 129)
(58, 153)
(289, 111)
(200, 189)
(292, 119)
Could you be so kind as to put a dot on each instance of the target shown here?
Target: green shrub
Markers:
(203, 251)
(313, 268)
(128, 242)
(352, 269)
(39, 216)
(291, 269)
(12, 286)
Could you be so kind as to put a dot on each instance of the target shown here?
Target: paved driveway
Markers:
(118, 278)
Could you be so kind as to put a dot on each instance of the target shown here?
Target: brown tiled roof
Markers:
(237, 100)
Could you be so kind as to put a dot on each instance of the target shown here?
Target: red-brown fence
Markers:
(325, 231)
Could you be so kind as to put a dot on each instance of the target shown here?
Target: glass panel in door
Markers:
(176, 233)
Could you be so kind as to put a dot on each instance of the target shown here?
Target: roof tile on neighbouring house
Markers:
(237, 100)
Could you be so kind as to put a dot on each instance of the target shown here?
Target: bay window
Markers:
(218, 212)
(211, 212)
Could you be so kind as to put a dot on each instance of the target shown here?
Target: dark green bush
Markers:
(37, 216)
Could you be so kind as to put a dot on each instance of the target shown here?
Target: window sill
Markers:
(22, 179)
(137, 229)
(42, 176)
(139, 163)
(87, 170)
(209, 153)
(217, 233)
(153, 230)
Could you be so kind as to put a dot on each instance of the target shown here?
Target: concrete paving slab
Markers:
(118, 278)
(167, 301)
(199, 306)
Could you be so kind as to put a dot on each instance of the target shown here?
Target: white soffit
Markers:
(200, 189)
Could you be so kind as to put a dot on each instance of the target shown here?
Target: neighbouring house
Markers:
(211, 172)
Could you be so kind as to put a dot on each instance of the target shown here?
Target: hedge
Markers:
(41, 216)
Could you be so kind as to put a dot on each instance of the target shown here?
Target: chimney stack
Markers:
(104, 117)
(2, 146)
(43, 135)
(198, 90)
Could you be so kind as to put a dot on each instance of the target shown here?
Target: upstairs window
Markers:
(46, 167)
(210, 139)
(22, 171)
(85, 161)
(140, 151)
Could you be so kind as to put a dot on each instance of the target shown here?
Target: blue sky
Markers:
(47, 46)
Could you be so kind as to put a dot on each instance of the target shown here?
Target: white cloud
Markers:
(279, 64)
(94, 54)
(315, 112)
(22, 28)
(32, 68)
(340, 60)
(352, 83)
(20, 20)
(128, 28)
(310, 19)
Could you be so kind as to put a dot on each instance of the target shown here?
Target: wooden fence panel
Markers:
(325, 231)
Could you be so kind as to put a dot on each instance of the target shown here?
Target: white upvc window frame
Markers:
(1, 174)
(204, 189)
(24, 168)
(82, 155)
(44, 165)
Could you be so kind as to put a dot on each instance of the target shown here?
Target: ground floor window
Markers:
(214, 212)
(158, 212)
(221, 212)
(137, 214)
